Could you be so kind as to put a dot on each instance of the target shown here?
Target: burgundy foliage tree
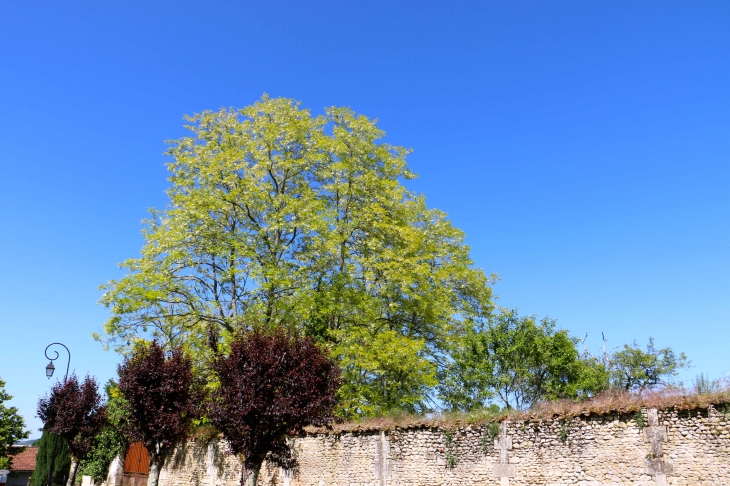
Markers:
(76, 412)
(272, 384)
(162, 399)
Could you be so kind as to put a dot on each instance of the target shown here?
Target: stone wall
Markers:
(673, 447)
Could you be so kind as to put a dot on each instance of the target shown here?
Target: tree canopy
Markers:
(634, 369)
(279, 217)
(272, 384)
(76, 412)
(161, 398)
(12, 427)
(516, 361)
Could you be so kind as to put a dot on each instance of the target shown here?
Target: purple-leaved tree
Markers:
(272, 384)
(76, 412)
(162, 399)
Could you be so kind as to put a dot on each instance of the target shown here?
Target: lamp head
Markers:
(50, 369)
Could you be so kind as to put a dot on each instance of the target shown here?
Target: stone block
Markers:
(657, 466)
(655, 433)
(503, 471)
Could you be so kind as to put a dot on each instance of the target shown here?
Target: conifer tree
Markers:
(61, 465)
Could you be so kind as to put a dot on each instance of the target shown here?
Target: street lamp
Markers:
(49, 373)
(50, 368)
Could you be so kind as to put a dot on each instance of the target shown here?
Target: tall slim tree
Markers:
(162, 399)
(61, 463)
(76, 412)
(278, 216)
(272, 384)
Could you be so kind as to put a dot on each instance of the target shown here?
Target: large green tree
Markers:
(279, 217)
(12, 428)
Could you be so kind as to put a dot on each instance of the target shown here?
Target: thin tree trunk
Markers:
(154, 475)
(72, 474)
(251, 475)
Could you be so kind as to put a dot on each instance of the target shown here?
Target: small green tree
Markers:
(61, 465)
(516, 361)
(703, 385)
(111, 440)
(11, 428)
(634, 369)
(595, 376)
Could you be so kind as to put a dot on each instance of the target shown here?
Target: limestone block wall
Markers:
(672, 447)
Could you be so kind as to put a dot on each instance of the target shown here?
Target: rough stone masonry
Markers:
(672, 447)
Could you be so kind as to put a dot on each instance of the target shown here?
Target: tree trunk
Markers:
(72, 474)
(154, 474)
(252, 475)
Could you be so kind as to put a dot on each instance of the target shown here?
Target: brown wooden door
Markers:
(136, 465)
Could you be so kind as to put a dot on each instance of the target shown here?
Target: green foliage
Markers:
(563, 431)
(639, 419)
(516, 361)
(11, 427)
(481, 414)
(595, 376)
(703, 385)
(634, 369)
(278, 217)
(383, 373)
(111, 441)
(491, 431)
(451, 449)
(61, 464)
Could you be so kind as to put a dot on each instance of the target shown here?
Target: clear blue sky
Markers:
(582, 146)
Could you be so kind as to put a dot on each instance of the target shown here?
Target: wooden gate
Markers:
(136, 465)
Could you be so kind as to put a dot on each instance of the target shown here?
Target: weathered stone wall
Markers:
(674, 447)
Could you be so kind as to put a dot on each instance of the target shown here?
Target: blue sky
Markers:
(582, 146)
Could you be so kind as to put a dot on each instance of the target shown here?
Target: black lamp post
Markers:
(49, 373)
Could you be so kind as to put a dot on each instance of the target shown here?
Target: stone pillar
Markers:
(212, 469)
(381, 467)
(287, 475)
(656, 434)
(504, 470)
(116, 472)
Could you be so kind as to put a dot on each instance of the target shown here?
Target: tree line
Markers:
(278, 217)
(269, 383)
